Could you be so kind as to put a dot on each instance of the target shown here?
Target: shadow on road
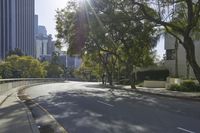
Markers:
(95, 109)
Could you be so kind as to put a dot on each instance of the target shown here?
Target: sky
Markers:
(46, 11)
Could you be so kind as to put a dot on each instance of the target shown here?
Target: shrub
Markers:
(153, 74)
(186, 86)
(175, 87)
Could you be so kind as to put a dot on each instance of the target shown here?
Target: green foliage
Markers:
(54, 71)
(186, 86)
(175, 87)
(110, 36)
(22, 67)
(53, 68)
(6, 70)
(179, 18)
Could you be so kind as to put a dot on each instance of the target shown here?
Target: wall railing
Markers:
(7, 85)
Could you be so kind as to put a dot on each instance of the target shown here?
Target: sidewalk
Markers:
(15, 116)
(168, 93)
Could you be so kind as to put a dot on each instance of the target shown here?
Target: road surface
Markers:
(83, 107)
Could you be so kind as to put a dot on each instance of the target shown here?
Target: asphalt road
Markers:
(82, 107)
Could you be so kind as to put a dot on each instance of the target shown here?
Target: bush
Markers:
(153, 74)
(175, 87)
(186, 86)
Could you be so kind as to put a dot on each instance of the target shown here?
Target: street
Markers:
(83, 107)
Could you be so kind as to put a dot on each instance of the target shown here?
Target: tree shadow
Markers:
(81, 111)
(13, 118)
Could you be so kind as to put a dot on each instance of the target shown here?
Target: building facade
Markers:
(17, 26)
(175, 60)
(36, 24)
(72, 62)
(5, 27)
(42, 30)
(25, 12)
(41, 41)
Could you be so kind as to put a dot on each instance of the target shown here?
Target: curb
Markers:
(59, 127)
(197, 99)
(12, 91)
(4, 99)
(30, 118)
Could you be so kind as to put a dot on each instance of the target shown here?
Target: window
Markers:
(170, 54)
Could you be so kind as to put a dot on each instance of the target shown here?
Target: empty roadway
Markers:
(83, 107)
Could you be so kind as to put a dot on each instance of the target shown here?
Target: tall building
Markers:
(41, 41)
(17, 26)
(36, 24)
(176, 60)
(42, 30)
(5, 27)
(25, 11)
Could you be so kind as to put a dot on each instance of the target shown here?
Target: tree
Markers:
(180, 18)
(53, 68)
(5, 70)
(113, 35)
(54, 71)
(22, 67)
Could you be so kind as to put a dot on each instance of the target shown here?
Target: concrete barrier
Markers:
(7, 85)
(154, 84)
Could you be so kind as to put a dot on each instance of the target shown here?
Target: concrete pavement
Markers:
(15, 116)
(89, 107)
(165, 92)
(168, 93)
(160, 91)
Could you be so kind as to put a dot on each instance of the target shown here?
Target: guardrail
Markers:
(7, 85)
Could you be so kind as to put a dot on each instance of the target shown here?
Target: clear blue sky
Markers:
(46, 12)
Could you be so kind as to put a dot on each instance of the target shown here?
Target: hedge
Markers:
(159, 74)
(186, 86)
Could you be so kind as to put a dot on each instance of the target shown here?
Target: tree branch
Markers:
(158, 21)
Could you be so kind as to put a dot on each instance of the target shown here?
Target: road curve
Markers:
(83, 107)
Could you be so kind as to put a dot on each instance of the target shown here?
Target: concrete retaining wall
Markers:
(6, 85)
(154, 84)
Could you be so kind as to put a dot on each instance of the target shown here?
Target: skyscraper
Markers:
(5, 27)
(17, 26)
(36, 24)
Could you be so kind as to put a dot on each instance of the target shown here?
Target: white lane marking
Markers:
(105, 103)
(188, 131)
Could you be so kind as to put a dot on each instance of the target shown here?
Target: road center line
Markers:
(105, 103)
(182, 129)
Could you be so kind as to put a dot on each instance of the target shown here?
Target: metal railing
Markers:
(7, 85)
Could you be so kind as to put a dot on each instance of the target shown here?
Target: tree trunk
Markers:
(176, 56)
(190, 55)
(132, 79)
(130, 76)
(110, 80)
